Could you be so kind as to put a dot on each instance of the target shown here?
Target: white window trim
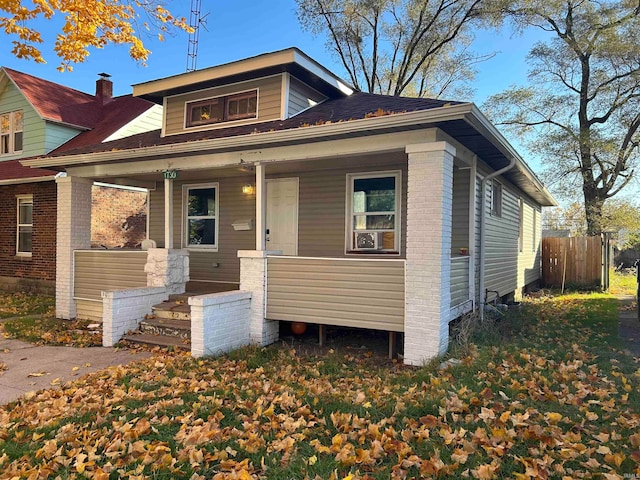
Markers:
(209, 126)
(496, 213)
(12, 133)
(349, 213)
(185, 216)
(20, 198)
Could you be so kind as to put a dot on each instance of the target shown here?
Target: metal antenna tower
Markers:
(194, 23)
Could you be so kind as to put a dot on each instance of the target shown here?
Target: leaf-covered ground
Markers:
(21, 304)
(551, 397)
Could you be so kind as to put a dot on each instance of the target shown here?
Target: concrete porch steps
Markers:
(168, 326)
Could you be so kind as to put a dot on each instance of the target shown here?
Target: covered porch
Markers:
(286, 231)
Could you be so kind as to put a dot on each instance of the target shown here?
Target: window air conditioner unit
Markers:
(366, 241)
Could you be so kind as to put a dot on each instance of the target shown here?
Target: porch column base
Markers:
(428, 270)
(253, 278)
(169, 268)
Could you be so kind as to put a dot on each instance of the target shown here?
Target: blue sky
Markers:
(241, 28)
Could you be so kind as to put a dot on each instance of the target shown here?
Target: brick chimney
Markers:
(104, 89)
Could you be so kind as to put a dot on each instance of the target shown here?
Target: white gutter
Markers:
(483, 222)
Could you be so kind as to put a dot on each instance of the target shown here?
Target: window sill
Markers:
(23, 256)
(371, 252)
(202, 249)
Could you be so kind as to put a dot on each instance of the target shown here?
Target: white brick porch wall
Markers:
(123, 310)
(219, 322)
(73, 232)
(253, 278)
(428, 270)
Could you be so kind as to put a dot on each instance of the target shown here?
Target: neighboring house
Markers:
(311, 202)
(37, 117)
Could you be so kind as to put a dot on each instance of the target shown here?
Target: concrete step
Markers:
(177, 310)
(167, 327)
(159, 340)
(180, 297)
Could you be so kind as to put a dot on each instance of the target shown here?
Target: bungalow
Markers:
(38, 117)
(272, 179)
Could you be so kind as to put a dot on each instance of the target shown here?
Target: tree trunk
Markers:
(593, 211)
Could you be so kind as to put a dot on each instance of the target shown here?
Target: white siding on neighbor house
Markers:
(147, 121)
(269, 104)
(301, 96)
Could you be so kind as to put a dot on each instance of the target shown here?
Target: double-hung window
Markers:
(201, 216)
(238, 106)
(24, 225)
(374, 212)
(11, 132)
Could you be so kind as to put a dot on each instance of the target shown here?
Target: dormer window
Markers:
(238, 106)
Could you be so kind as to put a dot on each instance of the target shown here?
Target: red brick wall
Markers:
(118, 217)
(41, 264)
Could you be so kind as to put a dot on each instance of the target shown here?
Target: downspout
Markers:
(483, 224)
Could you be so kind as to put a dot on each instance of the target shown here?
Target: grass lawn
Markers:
(21, 304)
(549, 396)
(623, 283)
(35, 322)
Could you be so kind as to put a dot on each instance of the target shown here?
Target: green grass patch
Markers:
(19, 304)
(53, 331)
(623, 282)
(545, 392)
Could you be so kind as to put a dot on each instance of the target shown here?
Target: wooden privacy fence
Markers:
(576, 261)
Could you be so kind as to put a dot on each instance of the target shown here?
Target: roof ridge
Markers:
(40, 79)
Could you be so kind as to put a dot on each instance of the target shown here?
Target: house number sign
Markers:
(170, 174)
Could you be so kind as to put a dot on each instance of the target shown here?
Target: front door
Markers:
(282, 215)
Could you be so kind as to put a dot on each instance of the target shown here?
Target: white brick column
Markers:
(167, 267)
(253, 278)
(73, 232)
(428, 270)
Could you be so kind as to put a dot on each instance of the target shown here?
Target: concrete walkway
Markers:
(31, 368)
(628, 324)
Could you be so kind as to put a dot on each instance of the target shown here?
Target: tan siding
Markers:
(459, 280)
(321, 223)
(321, 226)
(460, 212)
(501, 261)
(269, 103)
(89, 310)
(101, 270)
(156, 214)
(301, 96)
(529, 255)
(350, 293)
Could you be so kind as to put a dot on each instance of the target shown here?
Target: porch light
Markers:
(247, 189)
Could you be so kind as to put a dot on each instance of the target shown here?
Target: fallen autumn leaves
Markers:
(555, 401)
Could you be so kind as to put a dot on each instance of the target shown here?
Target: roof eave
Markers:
(464, 111)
